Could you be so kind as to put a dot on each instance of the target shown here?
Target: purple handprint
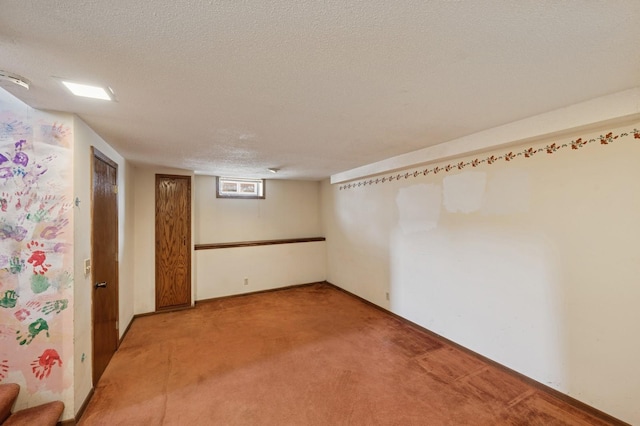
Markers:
(21, 159)
(17, 233)
(6, 172)
(54, 230)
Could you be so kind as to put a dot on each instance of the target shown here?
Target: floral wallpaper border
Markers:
(509, 156)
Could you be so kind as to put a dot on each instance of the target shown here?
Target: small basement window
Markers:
(239, 188)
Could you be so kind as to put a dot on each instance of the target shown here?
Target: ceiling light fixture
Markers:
(87, 91)
(14, 78)
(273, 170)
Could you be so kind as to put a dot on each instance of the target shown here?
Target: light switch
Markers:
(87, 267)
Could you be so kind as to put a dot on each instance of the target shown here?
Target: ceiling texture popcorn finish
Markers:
(312, 88)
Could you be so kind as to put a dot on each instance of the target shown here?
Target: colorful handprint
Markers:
(55, 306)
(4, 368)
(38, 258)
(9, 299)
(33, 330)
(41, 367)
(55, 229)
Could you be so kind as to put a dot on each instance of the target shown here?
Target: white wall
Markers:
(84, 139)
(532, 263)
(291, 209)
(221, 272)
(144, 179)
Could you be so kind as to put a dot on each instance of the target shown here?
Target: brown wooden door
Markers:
(173, 242)
(104, 257)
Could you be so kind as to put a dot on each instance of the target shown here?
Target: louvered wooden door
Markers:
(173, 242)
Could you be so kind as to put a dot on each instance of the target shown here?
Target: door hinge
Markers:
(115, 189)
(116, 325)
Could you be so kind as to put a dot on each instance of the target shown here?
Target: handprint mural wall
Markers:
(36, 256)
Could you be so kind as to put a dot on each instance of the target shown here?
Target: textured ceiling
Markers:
(312, 88)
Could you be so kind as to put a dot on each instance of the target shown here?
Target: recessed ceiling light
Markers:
(84, 90)
(273, 170)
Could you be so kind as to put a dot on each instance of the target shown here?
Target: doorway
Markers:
(173, 242)
(104, 258)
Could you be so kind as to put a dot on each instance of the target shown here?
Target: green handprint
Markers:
(39, 283)
(35, 328)
(64, 280)
(9, 299)
(16, 265)
(38, 216)
(55, 306)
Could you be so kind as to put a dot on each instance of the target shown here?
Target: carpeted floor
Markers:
(309, 355)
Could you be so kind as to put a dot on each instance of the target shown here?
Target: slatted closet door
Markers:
(173, 242)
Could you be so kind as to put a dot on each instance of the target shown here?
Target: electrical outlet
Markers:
(246, 281)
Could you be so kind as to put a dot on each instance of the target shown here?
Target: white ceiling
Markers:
(313, 88)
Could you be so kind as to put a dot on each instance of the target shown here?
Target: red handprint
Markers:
(34, 304)
(4, 368)
(37, 258)
(22, 314)
(42, 366)
(30, 201)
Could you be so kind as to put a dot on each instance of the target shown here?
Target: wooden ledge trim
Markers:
(257, 243)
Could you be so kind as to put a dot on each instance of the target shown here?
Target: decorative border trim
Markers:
(509, 156)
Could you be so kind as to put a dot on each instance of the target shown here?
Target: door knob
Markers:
(101, 285)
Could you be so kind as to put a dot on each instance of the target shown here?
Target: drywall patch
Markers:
(419, 207)
(508, 192)
(464, 192)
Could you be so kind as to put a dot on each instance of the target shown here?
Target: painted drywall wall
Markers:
(36, 253)
(290, 209)
(50, 169)
(85, 138)
(144, 178)
(222, 272)
(532, 262)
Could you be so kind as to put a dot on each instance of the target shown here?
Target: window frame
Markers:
(257, 195)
